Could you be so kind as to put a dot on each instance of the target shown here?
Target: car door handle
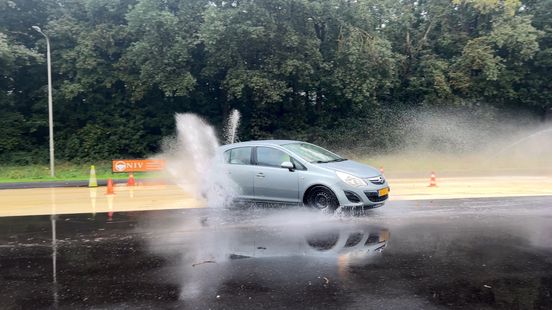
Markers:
(260, 175)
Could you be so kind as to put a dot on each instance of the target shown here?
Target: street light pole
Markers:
(50, 112)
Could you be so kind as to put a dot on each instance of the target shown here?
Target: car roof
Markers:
(260, 143)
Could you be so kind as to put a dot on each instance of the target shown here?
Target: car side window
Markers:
(238, 156)
(267, 156)
(297, 164)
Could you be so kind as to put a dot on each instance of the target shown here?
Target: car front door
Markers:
(271, 181)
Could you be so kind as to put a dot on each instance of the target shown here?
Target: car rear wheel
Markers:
(322, 198)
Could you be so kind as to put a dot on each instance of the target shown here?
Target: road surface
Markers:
(482, 253)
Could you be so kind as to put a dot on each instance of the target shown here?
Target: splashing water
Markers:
(230, 131)
(192, 162)
(526, 138)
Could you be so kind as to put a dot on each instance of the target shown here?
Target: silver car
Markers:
(299, 172)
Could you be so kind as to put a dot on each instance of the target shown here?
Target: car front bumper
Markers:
(368, 196)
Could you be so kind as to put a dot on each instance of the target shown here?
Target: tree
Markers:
(318, 70)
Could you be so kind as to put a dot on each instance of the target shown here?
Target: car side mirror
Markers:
(288, 165)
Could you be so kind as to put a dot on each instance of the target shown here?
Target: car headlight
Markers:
(350, 179)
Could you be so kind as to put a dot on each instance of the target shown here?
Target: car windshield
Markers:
(313, 153)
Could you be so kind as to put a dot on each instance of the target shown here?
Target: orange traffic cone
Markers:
(131, 181)
(432, 180)
(110, 190)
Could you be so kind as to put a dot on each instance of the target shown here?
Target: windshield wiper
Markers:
(337, 159)
(329, 161)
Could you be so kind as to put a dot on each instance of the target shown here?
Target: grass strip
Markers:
(65, 171)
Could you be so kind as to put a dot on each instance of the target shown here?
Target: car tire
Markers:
(323, 241)
(322, 198)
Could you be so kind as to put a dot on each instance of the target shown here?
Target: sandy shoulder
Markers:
(470, 187)
(41, 201)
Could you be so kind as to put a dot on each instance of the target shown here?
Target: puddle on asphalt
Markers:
(281, 257)
(188, 254)
(214, 250)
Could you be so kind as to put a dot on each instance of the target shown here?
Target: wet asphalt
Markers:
(442, 254)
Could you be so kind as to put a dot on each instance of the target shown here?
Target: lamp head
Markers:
(37, 29)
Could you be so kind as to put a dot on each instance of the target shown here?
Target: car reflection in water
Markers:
(269, 254)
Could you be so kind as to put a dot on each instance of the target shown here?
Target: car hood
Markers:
(352, 167)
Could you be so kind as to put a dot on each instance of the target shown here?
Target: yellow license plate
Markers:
(383, 191)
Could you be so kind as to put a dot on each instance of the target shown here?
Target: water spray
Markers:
(529, 137)
(192, 162)
(230, 131)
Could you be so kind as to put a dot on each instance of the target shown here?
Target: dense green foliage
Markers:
(320, 70)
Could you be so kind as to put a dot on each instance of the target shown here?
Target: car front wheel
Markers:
(322, 198)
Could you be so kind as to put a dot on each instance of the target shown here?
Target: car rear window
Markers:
(238, 156)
